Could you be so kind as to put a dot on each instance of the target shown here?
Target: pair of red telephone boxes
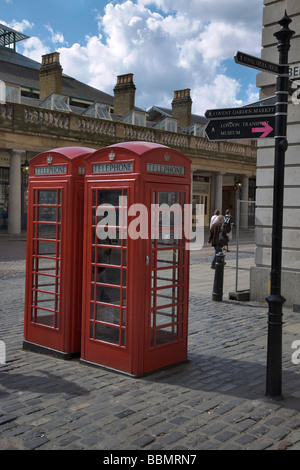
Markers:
(103, 282)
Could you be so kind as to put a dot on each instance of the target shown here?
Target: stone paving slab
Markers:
(214, 401)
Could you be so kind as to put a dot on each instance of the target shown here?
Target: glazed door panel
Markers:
(46, 256)
(166, 315)
(106, 284)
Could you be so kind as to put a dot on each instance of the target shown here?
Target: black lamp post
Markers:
(275, 299)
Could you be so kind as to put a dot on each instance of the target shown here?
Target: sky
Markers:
(167, 44)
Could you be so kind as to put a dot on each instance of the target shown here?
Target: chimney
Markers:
(124, 94)
(50, 75)
(182, 107)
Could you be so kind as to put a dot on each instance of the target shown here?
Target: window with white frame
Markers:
(167, 124)
(98, 111)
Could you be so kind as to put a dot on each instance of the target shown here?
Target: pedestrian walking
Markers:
(214, 218)
(228, 226)
(217, 238)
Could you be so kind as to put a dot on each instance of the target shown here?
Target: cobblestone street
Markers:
(214, 401)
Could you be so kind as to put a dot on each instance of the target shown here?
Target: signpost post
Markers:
(240, 123)
(275, 299)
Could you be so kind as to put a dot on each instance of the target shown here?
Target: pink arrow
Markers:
(266, 129)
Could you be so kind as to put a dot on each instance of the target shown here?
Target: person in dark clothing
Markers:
(228, 225)
(217, 238)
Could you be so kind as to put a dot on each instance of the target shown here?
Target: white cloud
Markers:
(220, 40)
(57, 38)
(252, 93)
(172, 48)
(20, 26)
(34, 48)
(220, 93)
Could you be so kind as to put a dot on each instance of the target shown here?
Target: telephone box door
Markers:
(167, 278)
(105, 324)
(46, 248)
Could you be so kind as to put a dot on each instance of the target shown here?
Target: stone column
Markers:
(244, 205)
(219, 192)
(192, 183)
(14, 202)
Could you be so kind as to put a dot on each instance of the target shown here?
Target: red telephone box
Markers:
(54, 252)
(136, 271)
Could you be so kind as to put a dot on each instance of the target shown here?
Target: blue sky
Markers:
(166, 45)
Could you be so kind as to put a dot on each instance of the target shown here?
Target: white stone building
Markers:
(260, 274)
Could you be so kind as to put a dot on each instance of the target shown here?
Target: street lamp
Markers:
(25, 167)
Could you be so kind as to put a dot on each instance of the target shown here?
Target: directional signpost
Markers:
(239, 129)
(257, 63)
(275, 299)
(231, 124)
(266, 122)
(240, 112)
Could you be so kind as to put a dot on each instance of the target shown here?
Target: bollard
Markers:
(217, 294)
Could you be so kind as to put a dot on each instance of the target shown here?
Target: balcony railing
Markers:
(21, 117)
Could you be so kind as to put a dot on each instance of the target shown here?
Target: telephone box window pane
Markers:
(115, 257)
(169, 198)
(46, 248)
(166, 258)
(123, 310)
(111, 216)
(111, 276)
(107, 333)
(108, 295)
(107, 275)
(166, 277)
(166, 296)
(48, 197)
(180, 312)
(107, 314)
(109, 196)
(167, 315)
(44, 317)
(180, 331)
(168, 237)
(166, 335)
(103, 255)
(123, 337)
(47, 298)
(48, 231)
(47, 266)
(47, 283)
(47, 214)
